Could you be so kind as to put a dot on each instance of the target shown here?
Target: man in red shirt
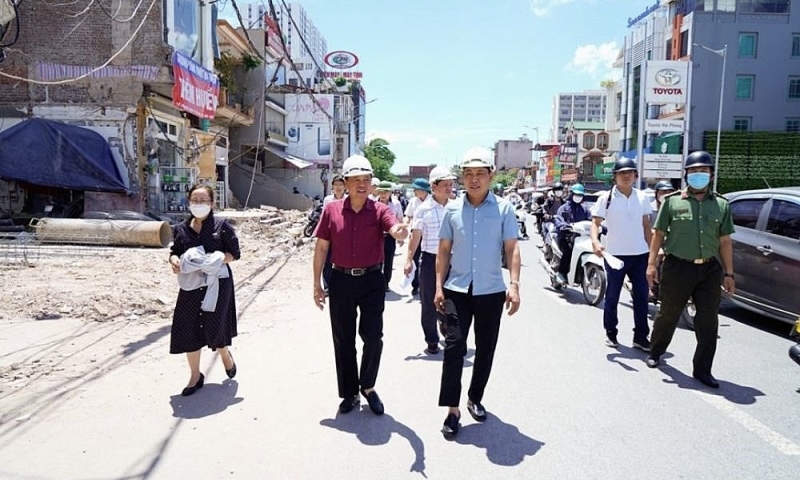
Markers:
(353, 230)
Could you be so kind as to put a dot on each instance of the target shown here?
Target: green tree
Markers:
(505, 178)
(381, 158)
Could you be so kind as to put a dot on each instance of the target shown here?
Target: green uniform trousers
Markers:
(680, 281)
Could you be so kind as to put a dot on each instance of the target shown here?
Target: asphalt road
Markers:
(561, 404)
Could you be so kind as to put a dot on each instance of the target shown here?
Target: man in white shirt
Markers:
(338, 191)
(626, 212)
(422, 188)
(425, 237)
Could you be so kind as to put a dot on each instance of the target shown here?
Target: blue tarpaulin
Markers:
(54, 154)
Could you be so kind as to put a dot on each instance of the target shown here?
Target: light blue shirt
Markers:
(477, 234)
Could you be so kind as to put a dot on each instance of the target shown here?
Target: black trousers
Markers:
(566, 255)
(427, 290)
(389, 247)
(327, 269)
(460, 309)
(681, 280)
(349, 295)
(417, 253)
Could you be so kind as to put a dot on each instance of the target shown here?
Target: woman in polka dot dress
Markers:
(192, 328)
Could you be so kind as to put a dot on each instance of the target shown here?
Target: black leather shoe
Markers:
(652, 360)
(349, 403)
(708, 380)
(231, 372)
(477, 411)
(450, 427)
(374, 401)
(197, 386)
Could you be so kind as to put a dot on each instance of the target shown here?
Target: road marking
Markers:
(781, 443)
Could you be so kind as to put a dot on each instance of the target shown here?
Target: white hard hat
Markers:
(375, 181)
(356, 165)
(478, 157)
(440, 173)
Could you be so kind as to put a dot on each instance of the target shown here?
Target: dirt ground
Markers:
(96, 289)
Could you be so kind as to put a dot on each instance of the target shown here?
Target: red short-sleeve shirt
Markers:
(356, 238)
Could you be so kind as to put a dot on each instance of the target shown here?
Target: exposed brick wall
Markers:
(49, 33)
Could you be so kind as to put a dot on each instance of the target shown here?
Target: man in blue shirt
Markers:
(478, 229)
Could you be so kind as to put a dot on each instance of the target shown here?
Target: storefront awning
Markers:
(297, 162)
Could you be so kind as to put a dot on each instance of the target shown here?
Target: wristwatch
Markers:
(513, 283)
(733, 277)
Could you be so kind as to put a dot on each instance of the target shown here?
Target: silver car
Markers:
(766, 251)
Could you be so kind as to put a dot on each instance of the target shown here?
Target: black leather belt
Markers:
(695, 261)
(358, 272)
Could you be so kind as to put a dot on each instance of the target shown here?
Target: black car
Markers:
(766, 251)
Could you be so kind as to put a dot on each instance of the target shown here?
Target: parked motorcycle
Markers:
(586, 269)
(313, 219)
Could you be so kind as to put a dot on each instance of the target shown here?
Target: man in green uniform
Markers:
(697, 225)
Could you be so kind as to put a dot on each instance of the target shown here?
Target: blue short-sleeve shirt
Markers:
(478, 234)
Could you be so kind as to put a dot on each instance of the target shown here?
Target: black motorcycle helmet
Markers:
(558, 186)
(624, 165)
(794, 353)
(699, 159)
(663, 185)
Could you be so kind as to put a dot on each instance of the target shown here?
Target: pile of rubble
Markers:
(99, 283)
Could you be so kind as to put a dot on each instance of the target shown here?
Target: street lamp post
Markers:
(536, 149)
(724, 54)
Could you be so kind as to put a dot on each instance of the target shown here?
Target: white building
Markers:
(586, 106)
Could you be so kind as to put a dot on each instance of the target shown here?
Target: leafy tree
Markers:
(505, 178)
(381, 158)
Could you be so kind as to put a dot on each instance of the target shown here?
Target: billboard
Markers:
(309, 128)
(666, 81)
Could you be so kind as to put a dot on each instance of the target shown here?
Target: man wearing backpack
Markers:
(626, 212)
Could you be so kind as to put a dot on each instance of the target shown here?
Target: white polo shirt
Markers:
(623, 218)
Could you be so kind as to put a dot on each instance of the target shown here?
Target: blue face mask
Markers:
(698, 180)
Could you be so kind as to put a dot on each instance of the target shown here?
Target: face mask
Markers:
(200, 210)
(698, 180)
(577, 198)
(558, 193)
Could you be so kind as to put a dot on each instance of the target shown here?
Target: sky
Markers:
(447, 75)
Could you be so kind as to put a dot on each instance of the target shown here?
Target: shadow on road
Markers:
(504, 444)
(740, 394)
(622, 353)
(440, 357)
(213, 398)
(377, 431)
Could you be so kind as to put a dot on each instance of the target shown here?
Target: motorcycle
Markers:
(521, 217)
(689, 311)
(313, 219)
(586, 269)
(794, 350)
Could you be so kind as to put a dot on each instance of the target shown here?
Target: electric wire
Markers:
(87, 74)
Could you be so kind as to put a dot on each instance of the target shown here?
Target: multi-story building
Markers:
(510, 154)
(254, 15)
(757, 42)
(586, 106)
(305, 43)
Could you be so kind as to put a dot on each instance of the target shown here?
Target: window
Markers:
(588, 140)
(745, 212)
(744, 87)
(784, 219)
(602, 141)
(742, 124)
(763, 6)
(796, 45)
(793, 125)
(748, 45)
(794, 88)
(726, 5)
(182, 26)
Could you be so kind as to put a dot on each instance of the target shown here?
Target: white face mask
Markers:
(200, 210)
(558, 193)
(577, 198)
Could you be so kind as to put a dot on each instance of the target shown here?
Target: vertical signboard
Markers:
(666, 82)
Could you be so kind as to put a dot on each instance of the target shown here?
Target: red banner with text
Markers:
(196, 88)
